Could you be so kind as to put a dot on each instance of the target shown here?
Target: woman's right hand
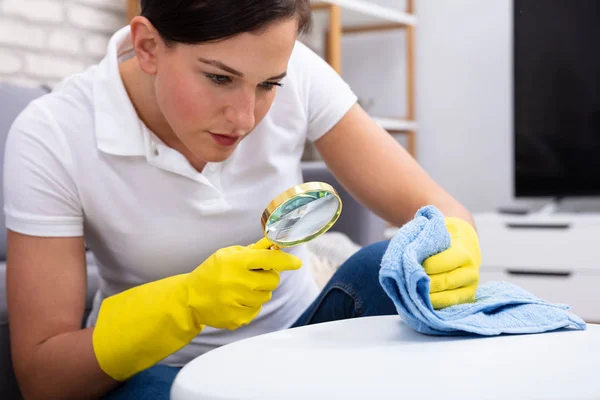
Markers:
(141, 326)
(228, 289)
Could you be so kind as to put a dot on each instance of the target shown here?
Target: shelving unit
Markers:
(133, 9)
(360, 16)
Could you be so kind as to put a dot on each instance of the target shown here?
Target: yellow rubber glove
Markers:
(454, 273)
(139, 327)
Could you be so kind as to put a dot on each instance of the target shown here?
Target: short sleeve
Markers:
(326, 95)
(40, 195)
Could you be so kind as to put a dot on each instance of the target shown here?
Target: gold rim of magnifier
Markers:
(291, 193)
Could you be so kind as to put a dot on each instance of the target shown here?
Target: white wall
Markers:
(42, 41)
(464, 87)
(463, 90)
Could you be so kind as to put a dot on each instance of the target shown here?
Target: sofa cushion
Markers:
(3, 306)
(13, 99)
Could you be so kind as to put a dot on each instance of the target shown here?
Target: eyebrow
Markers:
(232, 71)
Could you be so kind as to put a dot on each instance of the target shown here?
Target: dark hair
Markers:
(196, 21)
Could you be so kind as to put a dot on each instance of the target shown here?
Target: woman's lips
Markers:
(224, 140)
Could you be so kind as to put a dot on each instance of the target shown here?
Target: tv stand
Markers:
(552, 252)
(559, 206)
(571, 205)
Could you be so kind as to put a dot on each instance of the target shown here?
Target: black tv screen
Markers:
(556, 98)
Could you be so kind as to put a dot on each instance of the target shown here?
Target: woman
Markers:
(161, 158)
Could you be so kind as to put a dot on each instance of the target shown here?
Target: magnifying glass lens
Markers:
(303, 217)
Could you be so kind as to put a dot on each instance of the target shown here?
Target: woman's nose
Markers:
(241, 112)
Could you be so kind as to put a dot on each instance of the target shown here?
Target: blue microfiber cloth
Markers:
(499, 307)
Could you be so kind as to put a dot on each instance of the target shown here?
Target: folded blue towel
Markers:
(499, 307)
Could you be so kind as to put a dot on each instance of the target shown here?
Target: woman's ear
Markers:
(146, 43)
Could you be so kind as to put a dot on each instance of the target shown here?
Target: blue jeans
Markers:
(353, 291)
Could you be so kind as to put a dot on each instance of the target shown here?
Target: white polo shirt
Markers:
(80, 162)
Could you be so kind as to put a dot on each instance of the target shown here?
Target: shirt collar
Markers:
(119, 130)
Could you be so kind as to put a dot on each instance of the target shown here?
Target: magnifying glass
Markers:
(300, 214)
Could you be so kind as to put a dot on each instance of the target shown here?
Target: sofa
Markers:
(357, 224)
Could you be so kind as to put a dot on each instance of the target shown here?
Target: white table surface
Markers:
(382, 358)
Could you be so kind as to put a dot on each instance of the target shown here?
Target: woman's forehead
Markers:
(268, 51)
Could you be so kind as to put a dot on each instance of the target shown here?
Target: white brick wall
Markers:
(43, 41)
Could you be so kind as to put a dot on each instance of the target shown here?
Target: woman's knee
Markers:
(360, 276)
(366, 262)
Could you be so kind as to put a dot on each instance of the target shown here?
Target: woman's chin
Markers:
(216, 155)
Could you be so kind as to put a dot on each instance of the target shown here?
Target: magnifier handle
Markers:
(264, 244)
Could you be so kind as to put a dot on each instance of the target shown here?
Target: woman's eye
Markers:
(219, 79)
(268, 86)
(222, 80)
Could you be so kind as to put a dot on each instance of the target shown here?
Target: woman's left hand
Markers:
(454, 272)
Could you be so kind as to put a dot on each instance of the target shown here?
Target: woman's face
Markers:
(213, 94)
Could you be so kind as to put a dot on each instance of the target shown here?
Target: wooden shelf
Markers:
(405, 127)
(360, 15)
(396, 125)
(356, 16)
(133, 9)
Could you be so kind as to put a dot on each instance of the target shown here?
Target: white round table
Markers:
(382, 358)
